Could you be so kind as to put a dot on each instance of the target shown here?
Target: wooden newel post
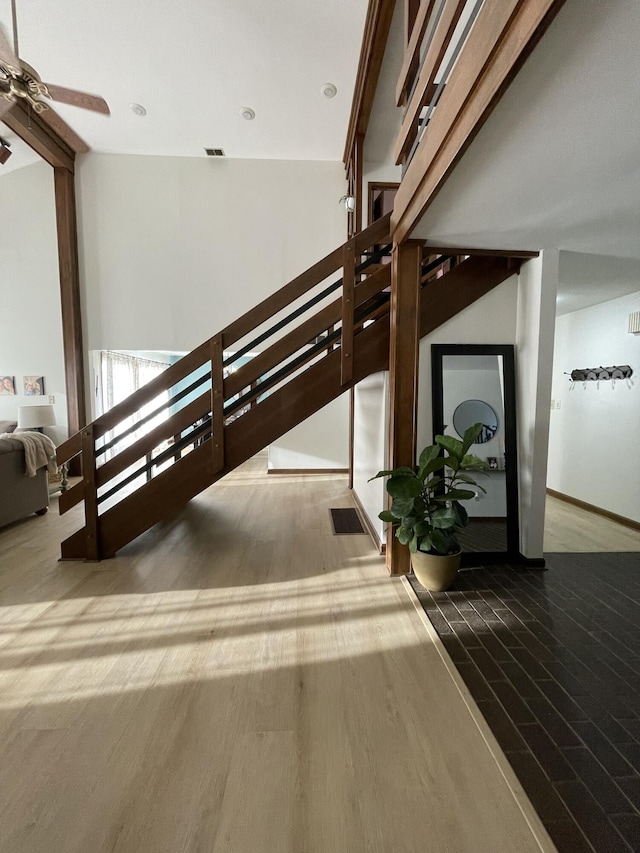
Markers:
(217, 404)
(92, 524)
(403, 375)
(348, 285)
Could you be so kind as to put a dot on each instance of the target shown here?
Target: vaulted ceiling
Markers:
(193, 65)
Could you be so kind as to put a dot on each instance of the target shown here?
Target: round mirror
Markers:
(472, 412)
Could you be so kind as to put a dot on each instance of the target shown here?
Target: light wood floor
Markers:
(237, 680)
(570, 528)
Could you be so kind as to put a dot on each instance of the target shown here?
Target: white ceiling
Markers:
(193, 64)
(557, 165)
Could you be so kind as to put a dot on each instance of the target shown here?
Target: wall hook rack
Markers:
(594, 374)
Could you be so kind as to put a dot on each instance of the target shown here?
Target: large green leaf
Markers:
(460, 495)
(403, 469)
(465, 478)
(404, 486)
(433, 483)
(422, 528)
(387, 515)
(443, 518)
(413, 545)
(404, 534)
(453, 445)
(473, 463)
(433, 465)
(462, 517)
(439, 542)
(470, 436)
(426, 542)
(402, 507)
(428, 454)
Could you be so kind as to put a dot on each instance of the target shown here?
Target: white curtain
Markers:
(121, 376)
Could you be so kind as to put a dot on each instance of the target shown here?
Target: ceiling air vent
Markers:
(214, 152)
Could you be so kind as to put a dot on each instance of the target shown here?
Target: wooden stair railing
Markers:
(248, 385)
(196, 399)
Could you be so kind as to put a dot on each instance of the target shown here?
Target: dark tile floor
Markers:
(553, 661)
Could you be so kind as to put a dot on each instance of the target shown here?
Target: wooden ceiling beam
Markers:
(33, 130)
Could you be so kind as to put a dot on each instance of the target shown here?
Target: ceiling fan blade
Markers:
(78, 99)
(7, 56)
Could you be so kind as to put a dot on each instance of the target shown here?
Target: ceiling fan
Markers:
(18, 80)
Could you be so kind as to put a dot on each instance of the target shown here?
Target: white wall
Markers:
(322, 441)
(30, 318)
(371, 406)
(534, 358)
(173, 249)
(594, 453)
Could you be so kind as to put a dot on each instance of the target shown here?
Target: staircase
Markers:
(252, 382)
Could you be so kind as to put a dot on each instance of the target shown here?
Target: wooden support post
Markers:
(403, 375)
(92, 548)
(348, 284)
(70, 298)
(217, 403)
(358, 166)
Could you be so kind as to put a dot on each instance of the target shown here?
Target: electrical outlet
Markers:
(52, 399)
(557, 404)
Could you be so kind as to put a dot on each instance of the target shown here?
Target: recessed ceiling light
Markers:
(329, 90)
(247, 113)
(138, 109)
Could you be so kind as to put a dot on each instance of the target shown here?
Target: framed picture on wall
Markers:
(33, 386)
(7, 385)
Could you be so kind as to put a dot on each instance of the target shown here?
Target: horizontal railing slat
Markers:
(178, 422)
(412, 50)
(71, 497)
(302, 334)
(301, 284)
(375, 233)
(69, 448)
(437, 49)
(174, 373)
(281, 298)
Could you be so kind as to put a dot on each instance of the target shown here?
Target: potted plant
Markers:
(426, 506)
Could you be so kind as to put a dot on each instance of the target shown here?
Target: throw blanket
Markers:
(39, 451)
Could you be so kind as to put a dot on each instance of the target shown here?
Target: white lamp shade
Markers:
(33, 417)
